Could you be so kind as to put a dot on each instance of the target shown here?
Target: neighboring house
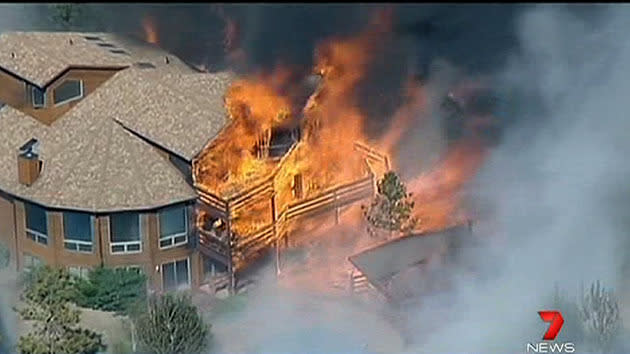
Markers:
(411, 265)
(100, 142)
(97, 137)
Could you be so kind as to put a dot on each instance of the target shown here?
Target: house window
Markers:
(31, 261)
(173, 226)
(80, 272)
(78, 231)
(36, 223)
(176, 275)
(37, 95)
(125, 234)
(134, 268)
(68, 91)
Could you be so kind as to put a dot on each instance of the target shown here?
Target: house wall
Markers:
(7, 226)
(13, 92)
(150, 259)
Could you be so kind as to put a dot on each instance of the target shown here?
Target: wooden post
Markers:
(274, 220)
(228, 222)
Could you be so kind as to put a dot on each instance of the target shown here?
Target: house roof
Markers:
(40, 57)
(96, 156)
(386, 260)
(180, 112)
(89, 164)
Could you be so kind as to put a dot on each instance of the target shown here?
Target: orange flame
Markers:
(437, 194)
(150, 30)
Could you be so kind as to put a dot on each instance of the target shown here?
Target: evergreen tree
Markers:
(172, 325)
(392, 207)
(67, 16)
(112, 289)
(55, 329)
(601, 317)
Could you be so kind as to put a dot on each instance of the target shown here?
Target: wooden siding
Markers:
(7, 227)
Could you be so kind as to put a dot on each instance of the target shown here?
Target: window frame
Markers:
(80, 96)
(188, 273)
(35, 235)
(126, 244)
(33, 259)
(81, 271)
(79, 243)
(172, 238)
(31, 91)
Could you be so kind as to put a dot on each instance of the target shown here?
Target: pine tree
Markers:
(66, 16)
(47, 299)
(601, 317)
(392, 207)
(172, 325)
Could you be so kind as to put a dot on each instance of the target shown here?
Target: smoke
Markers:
(554, 192)
(555, 186)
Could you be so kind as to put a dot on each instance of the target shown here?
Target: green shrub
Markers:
(112, 289)
(172, 324)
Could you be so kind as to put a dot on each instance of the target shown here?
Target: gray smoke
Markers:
(555, 191)
(556, 186)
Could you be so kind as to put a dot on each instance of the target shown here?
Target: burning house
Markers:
(117, 153)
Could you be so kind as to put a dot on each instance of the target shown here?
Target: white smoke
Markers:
(556, 183)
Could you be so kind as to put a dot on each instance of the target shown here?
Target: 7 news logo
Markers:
(556, 321)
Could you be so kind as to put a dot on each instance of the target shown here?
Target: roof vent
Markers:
(12, 55)
(71, 41)
(118, 51)
(167, 60)
(29, 164)
(145, 65)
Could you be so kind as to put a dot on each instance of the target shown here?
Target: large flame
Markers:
(438, 193)
(331, 122)
(150, 30)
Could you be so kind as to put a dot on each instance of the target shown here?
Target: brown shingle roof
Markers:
(180, 112)
(92, 161)
(90, 164)
(39, 57)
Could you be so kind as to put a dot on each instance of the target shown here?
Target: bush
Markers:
(56, 327)
(172, 325)
(112, 289)
(601, 317)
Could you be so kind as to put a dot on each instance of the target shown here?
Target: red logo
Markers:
(556, 320)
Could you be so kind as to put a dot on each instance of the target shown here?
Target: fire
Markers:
(255, 107)
(411, 112)
(437, 194)
(150, 30)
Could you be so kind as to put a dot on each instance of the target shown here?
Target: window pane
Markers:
(68, 90)
(134, 247)
(85, 248)
(168, 276)
(38, 96)
(77, 226)
(36, 218)
(166, 243)
(125, 227)
(172, 221)
(182, 272)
